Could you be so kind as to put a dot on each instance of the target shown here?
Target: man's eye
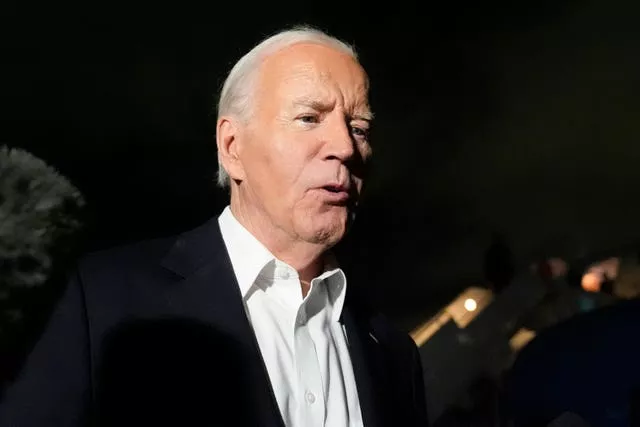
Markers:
(360, 132)
(308, 118)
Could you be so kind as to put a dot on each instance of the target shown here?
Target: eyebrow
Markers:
(312, 103)
(365, 115)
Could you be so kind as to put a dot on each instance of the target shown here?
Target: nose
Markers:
(340, 144)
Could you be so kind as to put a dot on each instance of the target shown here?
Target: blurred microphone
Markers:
(40, 220)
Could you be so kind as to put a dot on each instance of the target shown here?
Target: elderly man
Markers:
(246, 320)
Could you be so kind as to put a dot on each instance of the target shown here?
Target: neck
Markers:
(306, 258)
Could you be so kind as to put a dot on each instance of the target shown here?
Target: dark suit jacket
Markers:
(155, 333)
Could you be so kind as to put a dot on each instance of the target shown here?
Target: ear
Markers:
(228, 140)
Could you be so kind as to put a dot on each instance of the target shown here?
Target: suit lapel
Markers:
(208, 291)
(367, 367)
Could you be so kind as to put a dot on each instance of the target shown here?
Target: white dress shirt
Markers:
(303, 344)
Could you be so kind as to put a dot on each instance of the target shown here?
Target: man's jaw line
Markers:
(293, 250)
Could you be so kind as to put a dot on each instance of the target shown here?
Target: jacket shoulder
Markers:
(128, 256)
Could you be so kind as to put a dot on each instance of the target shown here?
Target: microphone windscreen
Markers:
(40, 224)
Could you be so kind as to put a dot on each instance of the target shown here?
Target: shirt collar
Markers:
(248, 256)
(336, 283)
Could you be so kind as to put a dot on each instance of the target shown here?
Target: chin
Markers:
(328, 230)
(327, 238)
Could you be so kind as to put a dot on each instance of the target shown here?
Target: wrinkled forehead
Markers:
(314, 72)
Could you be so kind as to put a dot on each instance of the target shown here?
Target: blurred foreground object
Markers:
(587, 364)
(38, 207)
(569, 419)
(40, 213)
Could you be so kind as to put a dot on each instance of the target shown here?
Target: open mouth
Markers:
(335, 189)
(336, 194)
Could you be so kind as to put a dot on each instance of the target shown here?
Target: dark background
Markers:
(520, 117)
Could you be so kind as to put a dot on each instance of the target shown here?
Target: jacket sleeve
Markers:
(53, 387)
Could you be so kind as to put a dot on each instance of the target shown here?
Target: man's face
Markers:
(305, 147)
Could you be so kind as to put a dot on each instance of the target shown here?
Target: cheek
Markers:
(269, 165)
(365, 152)
(295, 163)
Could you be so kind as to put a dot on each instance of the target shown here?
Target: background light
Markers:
(470, 304)
(521, 338)
(591, 282)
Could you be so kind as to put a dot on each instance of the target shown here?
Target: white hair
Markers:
(237, 90)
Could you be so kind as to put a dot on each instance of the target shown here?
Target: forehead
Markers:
(314, 71)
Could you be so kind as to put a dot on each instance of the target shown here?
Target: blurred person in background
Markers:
(499, 267)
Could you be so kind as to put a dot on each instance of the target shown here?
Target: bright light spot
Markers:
(591, 282)
(470, 304)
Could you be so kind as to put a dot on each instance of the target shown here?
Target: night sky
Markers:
(491, 116)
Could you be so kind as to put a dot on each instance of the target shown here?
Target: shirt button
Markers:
(284, 274)
(310, 397)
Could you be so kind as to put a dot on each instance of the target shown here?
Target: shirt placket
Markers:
(311, 395)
